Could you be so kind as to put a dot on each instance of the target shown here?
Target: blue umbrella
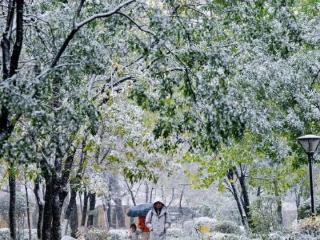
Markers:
(140, 210)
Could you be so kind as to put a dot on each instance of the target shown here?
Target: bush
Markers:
(275, 236)
(96, 234)
(300, 236)
(304, 210)
(205, 211)
(227, 227)
(117, 234)
(265, 215)
(223, 236)
(175, 233)
(204, 221)
(4, 234)
(113, 234)
(24, 235)
(310, 226)
(189, 227)
(68, 238)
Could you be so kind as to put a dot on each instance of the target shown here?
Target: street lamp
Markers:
(310, 144)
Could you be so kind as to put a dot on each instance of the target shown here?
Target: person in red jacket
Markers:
(144, 229)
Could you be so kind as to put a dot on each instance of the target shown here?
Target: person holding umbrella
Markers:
(141, 211)
(158, 221)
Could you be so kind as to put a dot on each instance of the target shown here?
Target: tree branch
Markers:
(80, 7)
(78, 26)
(5, 43)
(172, 197)
(19, 38)
(136, 24)
(103, 15)
(187, 70)
(131, 193)
(137, 191)
(11, 6)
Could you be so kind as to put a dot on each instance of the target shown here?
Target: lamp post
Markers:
(310, 144)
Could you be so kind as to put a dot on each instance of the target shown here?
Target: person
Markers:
(158, 221)
(143, 228)
(133, 232)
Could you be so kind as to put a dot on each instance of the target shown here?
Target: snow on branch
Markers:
(78, 26)
(103, 15)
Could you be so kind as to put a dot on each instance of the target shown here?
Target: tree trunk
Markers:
(119, 213)
(28, 208)
(81, 205)
(109, 212)
(172, 197)
(133, 199)
(235, 194)
(60, 192)
(279, 203)
(163, 195)
(259, 197)
(58, 184)
(10, 65)
(40, 208)
(75, 184)
(181, 197)
(85, 208)
(72, 213)
(12, 207)
(151, 195)
(92, 203)
(113, 216)
(105, 211)
(47, 212)
(147, 192)
(56, 218)
(66, 228)
(297, 194)
(74, 222)
(245, 195)
(54, 198)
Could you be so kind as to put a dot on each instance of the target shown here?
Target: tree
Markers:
(46, 101)
(238, 68)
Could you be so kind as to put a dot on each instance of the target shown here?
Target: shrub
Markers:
(68, 238)
(265, 215)
(96, 234)
(227, 227)
(188, 227)
(113, 234)
(275, 236)
(197, 227)
(117, 234)
(223, 236)
(205, 211)
(304, 210)
(310, 226)
(175, 233)
(300, 236)
(23, 235)
(4, 234)
(204, 221)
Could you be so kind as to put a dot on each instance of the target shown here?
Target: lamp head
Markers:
(309, 143)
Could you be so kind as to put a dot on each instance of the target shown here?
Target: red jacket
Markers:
(142, 224)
